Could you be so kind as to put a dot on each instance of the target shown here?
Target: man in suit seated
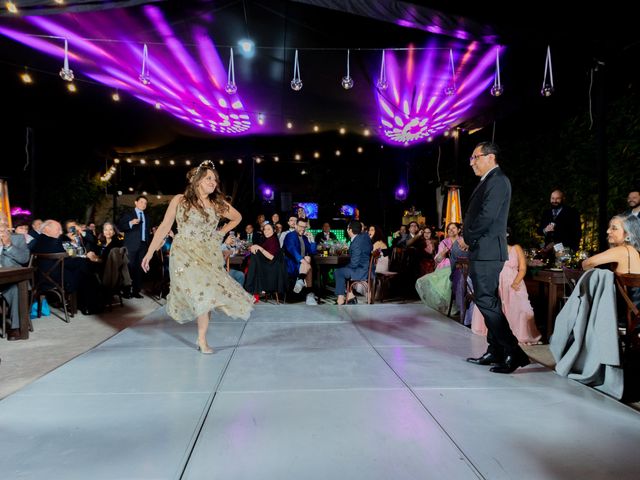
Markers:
(13, 253)
(251, 235)
(358, 268)
(298, 251)
(326, 234)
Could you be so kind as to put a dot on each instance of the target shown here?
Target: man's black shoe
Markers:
(487, 359)
(136, 295)
(512, 363)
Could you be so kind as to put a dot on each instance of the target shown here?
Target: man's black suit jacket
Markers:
(485, 223)
(567, 228)
(133, 234)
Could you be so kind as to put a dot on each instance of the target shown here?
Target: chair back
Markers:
(49, 277)
(368, 284)
(628, 287)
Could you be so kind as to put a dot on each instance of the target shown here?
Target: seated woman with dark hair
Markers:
(267, 271)
(109, 239)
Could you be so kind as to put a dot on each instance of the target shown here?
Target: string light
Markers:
(131, 189)
(289, 125)
(157, 162)
(143, 161)
(276, 159)
(115, 96)
(172, 162)
(366, 132)
(26, 77)
(316, 154)
(116, 160)
(239, 161)
(158, 106)
(11, 7)
(343, 130)
(221, 162)
(338, 153)
(128, 160)
(360, 150)
(316, 128)
(297, 156)
(187, 162)
(72, 87)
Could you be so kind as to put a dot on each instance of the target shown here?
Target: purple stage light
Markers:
(187, 84)
(401, 193)
(267, 194)
(19, 211)
(415, 107)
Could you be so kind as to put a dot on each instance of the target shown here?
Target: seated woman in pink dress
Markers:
(514, 297)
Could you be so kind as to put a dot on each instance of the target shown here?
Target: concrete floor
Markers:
(373, 392)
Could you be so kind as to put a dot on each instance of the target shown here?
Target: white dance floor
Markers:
(310, 392)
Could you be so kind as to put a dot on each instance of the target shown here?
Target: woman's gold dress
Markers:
(199, 280)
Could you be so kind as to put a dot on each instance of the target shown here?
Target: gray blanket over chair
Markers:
(585, 338)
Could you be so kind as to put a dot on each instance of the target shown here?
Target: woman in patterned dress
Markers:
(199, 282)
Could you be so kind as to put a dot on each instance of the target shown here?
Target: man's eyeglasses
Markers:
(475, 157)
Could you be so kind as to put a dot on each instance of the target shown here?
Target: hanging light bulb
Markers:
(497, 88)
(296, 83)
(144, 77)
(66, 73)
(450, 89)
(382, 80)
(11, 7)
(547, 84)
(231, 86)
(26, 77)
(115, 96)
(72, 87)
(347, 81)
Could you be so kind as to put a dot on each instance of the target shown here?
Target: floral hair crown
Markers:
(206, 164)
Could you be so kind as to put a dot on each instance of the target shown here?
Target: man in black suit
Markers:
(560, 223)
(326, 234)
(485, 233)
(133, 223)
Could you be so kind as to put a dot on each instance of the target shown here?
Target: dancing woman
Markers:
(199, 282)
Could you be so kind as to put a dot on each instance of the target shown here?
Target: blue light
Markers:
(247, 48)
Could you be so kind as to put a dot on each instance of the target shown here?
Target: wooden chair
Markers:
(5, 308)
(368, 285)
(462, 264)
(571, 277)
(624, 282)
(382, 280)
(50, 279)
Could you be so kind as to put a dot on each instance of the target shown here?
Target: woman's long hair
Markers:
(102, 240)
(378, 235)
(191, 199)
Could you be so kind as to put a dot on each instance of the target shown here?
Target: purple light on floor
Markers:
(187, 83)
(415, 106)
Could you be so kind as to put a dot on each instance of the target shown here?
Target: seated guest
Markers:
(275, 219)
(400, 237)
(107, 241)
(267, 271)
(293, 220)
(378, 242)
(82, 240)
(278, 228)
(298, 251)
(251, 236)
(435, 288)
(426, 255)
(13, 253)
(585, 341)
(228, 248)
(623, 236)
(326, 234)
(77, 276)
(36, 225)
(23, 230)
(514, 297)
(358, 268)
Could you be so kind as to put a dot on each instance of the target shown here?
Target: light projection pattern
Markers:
(186, 84)
(415, 106)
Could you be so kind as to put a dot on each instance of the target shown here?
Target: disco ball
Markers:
(347, 82)
(547, 90)
(382, 84)
(66, 74)
(296, 85)
(497, 90)
(231, 88)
